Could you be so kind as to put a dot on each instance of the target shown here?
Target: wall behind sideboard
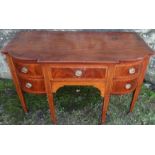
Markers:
(147, 34)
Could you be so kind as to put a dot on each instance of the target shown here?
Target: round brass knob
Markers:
(24, 70)
(128, 86)
(28, 85)
(78, 73)
(132, 70)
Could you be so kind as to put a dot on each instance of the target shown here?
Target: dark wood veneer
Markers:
(34, 70)
(42, 62)
(86, 73)
(119, 86)
(38, 86)
(82, 47)
(122, 70)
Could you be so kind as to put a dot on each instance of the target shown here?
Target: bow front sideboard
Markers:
(41, 62)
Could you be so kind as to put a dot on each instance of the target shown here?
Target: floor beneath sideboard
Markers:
(74, 107)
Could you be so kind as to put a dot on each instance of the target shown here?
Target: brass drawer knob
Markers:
(132, 70)
(28, 85)
(128, 86)
(24, 70)
(78, 73)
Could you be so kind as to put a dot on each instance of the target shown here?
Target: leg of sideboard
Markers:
(105, 107)
(51, 106)
(135, 97)
(16, 83)
(48, 87)
(107, 92)
(140, 82)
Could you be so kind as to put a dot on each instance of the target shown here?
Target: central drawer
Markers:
(78, 73)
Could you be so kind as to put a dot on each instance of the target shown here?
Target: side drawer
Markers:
(123, 87)
(36, 86)
(128, 70)
(28, 69)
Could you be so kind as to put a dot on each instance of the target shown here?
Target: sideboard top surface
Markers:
(80, 47)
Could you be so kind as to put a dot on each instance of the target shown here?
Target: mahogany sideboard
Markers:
(41, 62)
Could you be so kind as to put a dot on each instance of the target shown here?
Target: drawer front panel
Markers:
(26, 69)
(33, 85)
(78, 73)
(128, 70)
(123, 87)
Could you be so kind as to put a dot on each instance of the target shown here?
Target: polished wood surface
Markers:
(119, 86)
(71, 73)
(33, 70)
(49, 91)
(37, 85)
(123, 70)
(83, 47)
(17, 83)
(107, 91)
(41, 62)
(140, 82)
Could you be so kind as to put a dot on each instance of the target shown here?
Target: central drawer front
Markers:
(78, 73)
